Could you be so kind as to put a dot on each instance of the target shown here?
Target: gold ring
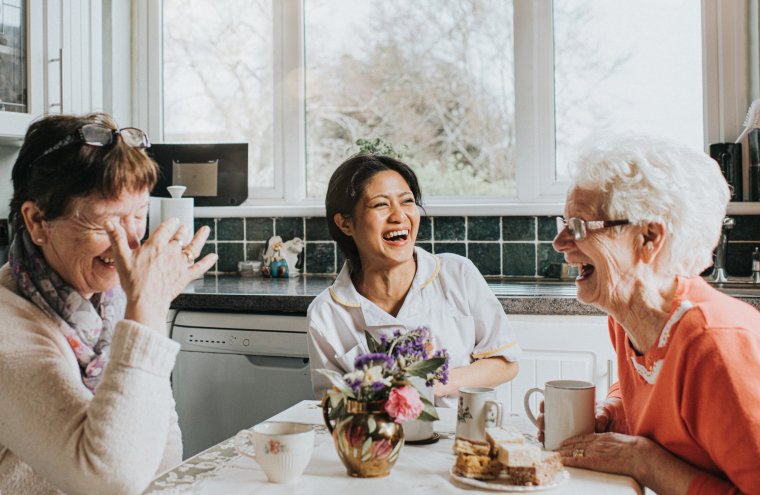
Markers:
(188, 256)
(579, 454)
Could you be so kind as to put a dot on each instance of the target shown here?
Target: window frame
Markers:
(727, 81)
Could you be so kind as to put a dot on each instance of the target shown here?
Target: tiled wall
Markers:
(499, 246)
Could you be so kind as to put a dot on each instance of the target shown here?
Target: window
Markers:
(218, 77)
(434, 79)
(485, 98)
(13, 77)
(627, 65)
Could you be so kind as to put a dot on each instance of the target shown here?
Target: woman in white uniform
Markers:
(373, 213)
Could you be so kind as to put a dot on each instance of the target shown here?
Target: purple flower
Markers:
(442, 373)
(373, 359)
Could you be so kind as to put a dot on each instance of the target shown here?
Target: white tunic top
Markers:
(448, 295)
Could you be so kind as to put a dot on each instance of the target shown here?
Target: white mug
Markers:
(283, 450)
(478, 409)
(416, 430)
(568, 410)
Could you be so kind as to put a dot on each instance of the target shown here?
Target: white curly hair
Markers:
(647, 179)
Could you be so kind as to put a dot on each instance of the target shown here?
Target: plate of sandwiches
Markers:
(506, 462)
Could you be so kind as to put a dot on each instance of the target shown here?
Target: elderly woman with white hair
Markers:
(641, 221)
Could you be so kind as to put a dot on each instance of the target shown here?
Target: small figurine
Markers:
(292, 251)
(282, 259)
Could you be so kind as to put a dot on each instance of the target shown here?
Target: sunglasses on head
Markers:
(100, 135)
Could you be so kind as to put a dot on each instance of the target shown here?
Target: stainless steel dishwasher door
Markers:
(234, 371)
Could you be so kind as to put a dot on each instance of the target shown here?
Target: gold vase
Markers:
(368, 441)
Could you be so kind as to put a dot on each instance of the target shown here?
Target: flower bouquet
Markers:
(369, 404)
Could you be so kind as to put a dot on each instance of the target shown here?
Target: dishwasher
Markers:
(235, 370)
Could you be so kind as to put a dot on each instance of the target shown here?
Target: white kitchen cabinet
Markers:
(18, 112)
(559, 347)
(64, 62)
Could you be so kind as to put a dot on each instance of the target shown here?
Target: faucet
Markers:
(719, 274)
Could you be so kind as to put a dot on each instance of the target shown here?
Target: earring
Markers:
(39, 240)
(650, 246)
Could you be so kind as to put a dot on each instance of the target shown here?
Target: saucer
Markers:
(424, 441)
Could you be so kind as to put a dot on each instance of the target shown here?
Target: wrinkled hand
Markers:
(607, 452)
(610, 416)
(153, 274)
(540, 421)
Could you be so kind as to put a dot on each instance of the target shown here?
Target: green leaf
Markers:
(371, 424)
(428, 415)
(338, 382)
(366, 445)
(423, 368)
(372, 344)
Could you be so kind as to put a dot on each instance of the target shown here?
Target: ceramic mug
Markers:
(283, 450)
(478, 409)
(416, 430)
(568, 410)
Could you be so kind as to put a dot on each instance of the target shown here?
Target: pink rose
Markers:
(404, 404)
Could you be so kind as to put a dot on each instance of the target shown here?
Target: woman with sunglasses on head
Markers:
(85, 401)
(642, 218)
(373, 214)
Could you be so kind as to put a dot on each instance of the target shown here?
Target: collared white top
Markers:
(448, 295)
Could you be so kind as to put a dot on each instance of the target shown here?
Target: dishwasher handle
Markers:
(293, 363)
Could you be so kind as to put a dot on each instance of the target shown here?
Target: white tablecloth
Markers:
(423, 469)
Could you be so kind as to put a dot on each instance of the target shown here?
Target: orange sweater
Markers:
(696, 392)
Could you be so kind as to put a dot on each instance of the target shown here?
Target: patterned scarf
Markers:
(88, 325)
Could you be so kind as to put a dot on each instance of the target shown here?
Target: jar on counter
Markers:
(249, 268)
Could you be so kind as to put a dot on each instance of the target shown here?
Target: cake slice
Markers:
(462, 446)
(502, 434)
(480, 467)
(518, 454)
(543, 473)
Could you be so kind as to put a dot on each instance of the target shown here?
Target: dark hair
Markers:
(346, 188)
(76, 170)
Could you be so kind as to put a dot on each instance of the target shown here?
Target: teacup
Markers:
(568, 410)
(478, 409)
(417, 430)
(283, 450)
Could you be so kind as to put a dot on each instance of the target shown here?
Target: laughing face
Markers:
(77, 247)
(606, 260)
(385, 221)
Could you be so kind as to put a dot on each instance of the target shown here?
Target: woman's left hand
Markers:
(607, 452)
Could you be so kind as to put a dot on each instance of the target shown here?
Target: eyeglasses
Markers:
(580, 228)
(100, 135)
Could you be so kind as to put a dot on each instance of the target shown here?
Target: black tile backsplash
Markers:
(289, 227)
(425, 232)
(486, 256)
(449, 229)
(519, 228)
(229, 229)
(459, 248)
(484, 228)
(499, 246)
(519, 259)
(259, 229)
(316, 230)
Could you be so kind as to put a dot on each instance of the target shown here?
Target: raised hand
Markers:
(153, 274)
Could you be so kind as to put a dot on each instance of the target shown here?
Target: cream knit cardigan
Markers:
(55, 436)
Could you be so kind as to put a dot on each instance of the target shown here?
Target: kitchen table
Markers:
(421, 468)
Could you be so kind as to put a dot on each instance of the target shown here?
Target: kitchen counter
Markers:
(231, 293)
